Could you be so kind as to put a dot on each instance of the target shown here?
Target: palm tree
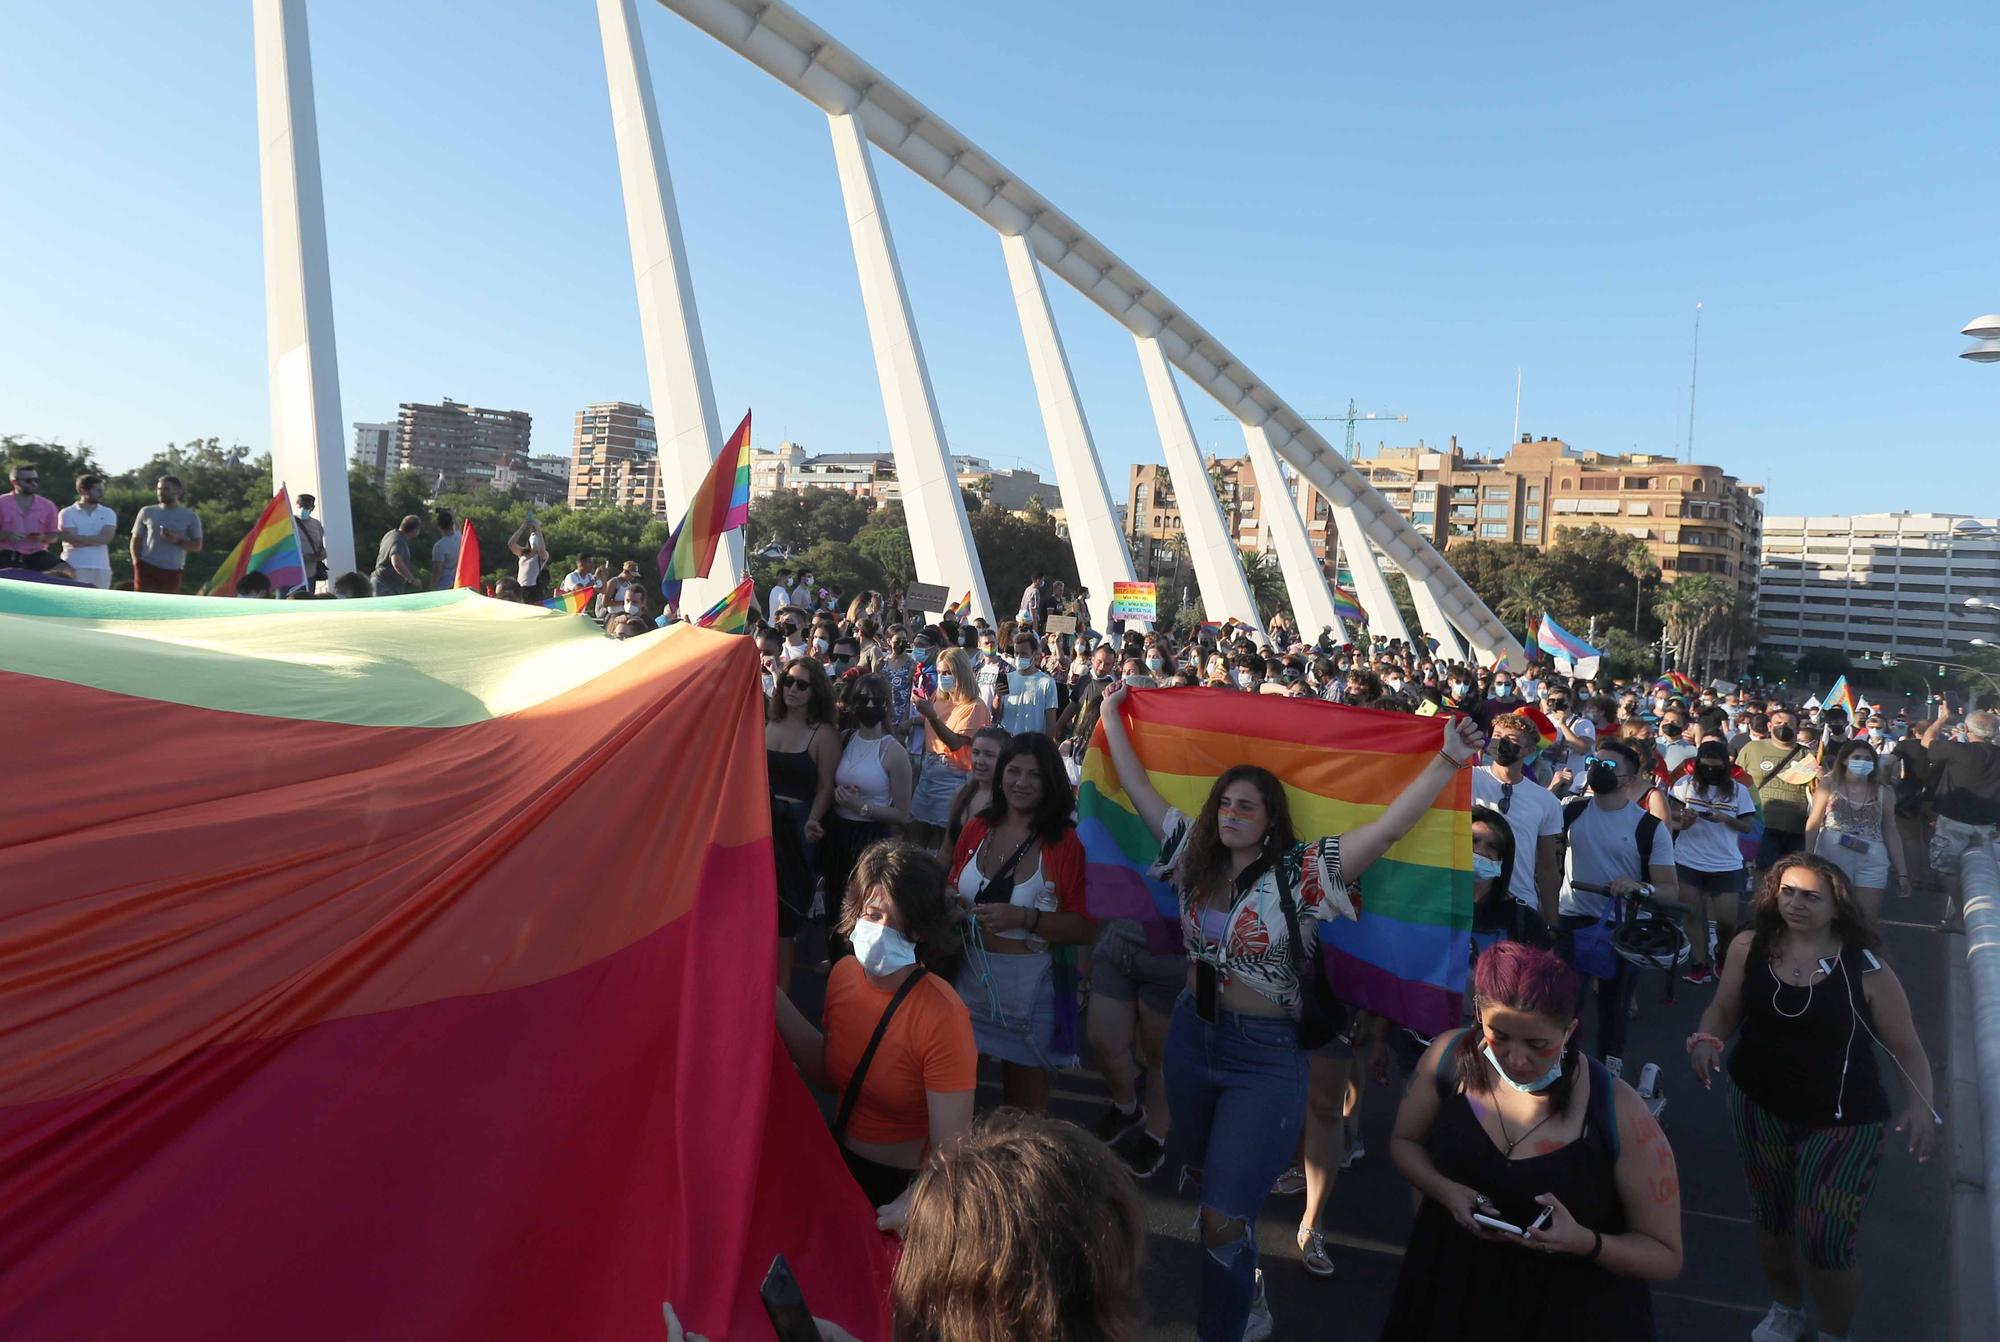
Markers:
(1690, 609)
(1639, 563)
(1526, 595)
(1267, 585)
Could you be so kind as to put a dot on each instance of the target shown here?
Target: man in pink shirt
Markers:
(28, 525)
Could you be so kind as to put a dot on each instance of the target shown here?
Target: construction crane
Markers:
(1350, 419)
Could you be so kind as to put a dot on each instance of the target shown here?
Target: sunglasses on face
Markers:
(864, 699)
(794, 683)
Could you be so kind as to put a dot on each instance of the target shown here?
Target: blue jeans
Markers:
(1237, 1092)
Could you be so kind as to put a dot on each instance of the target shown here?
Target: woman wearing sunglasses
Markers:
(801, 753)
(871, 782)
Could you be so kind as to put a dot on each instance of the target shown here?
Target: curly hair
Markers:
(915, 882)
(1027, 1228)
(1850, 920)
(1205, 862)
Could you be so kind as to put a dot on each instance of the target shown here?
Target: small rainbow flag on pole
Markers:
(467, 572)
(961, 606)
(1405, 958)
(271, 548)
(1676, 683)
(721, 505)
(731, 615)
(572, 603)
(1840, 696)
(1346, 607)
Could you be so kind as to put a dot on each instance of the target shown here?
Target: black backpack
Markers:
(1642, 835)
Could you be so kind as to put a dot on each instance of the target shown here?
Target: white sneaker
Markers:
(1260, 1325)
(1781, 1323)
(1615, 1066)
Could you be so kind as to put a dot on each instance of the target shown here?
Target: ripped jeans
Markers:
(1237, 1091)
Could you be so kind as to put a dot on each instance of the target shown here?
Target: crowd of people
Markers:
(923, 809)
(922, 776)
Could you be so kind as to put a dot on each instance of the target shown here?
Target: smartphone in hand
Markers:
(791, 1321)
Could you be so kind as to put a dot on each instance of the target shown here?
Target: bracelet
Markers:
(1698, 1038)
(1596, 1246)
(1456, 764)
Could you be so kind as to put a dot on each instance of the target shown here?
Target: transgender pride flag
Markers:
(1557, 641)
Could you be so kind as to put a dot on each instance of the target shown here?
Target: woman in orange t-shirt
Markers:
(916, 1096)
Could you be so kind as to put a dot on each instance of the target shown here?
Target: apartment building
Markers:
(455, 447)
(614, 458)
(374, 449)
(1879, 583)
(1694, 518)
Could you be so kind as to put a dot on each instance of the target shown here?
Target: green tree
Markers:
(1596, 571)
(1013, 547)
(1527, 594)
(1487, 566)
(1267, 586)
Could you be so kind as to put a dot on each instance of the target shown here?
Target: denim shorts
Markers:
(1124, 969)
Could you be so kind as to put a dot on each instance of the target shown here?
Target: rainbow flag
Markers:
(1209, 629)
(271, 548)
(1345, 606)
(731, 615)
(572, 603)
(964, 603)
(1405, 958)
(341, 1030)
(1840, 696)
(1557, 641)
(721, 504)
(467, 572)
(1544, 726)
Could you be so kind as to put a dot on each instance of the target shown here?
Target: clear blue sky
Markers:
(1396, 206)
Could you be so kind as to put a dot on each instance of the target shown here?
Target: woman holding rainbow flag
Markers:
(1252, 894)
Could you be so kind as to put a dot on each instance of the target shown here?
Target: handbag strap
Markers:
(852, 1094)
(1006, 872)
(1317, 967)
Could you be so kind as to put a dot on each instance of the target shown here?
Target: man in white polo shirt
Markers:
(86, 528)
(1532, 811)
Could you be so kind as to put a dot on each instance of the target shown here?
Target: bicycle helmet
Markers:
(1651, 943)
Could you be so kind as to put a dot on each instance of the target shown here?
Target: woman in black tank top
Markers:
(801, 751)
(1512, 1122)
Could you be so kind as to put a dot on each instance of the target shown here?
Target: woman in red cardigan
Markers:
(1019, 865)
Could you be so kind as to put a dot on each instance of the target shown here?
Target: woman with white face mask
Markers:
(914, 1097)
(1549, 1191)
(1847, 825)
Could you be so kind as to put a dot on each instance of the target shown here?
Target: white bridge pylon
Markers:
(864, 108)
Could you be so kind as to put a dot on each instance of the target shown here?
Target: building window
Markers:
(1532, 512)
(1531, 533)
(1496, 491)
(1534, 493)
(1638, 510)
(1567, 483)
(1698, 484)
(1424, 519)
(1495, 511)
(1424, 494)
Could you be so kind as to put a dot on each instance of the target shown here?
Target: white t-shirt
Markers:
(1676, 753)
(1710, 845)
(1533, 812)
(96, 519)
(1031, 695)
(1603, 845)
(780, 599)
(528, 571)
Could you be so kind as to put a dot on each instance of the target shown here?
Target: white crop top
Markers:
(1030, 892)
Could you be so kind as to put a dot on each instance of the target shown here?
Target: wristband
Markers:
(1456, 764)
(1596, 1246)
(1698, 1038)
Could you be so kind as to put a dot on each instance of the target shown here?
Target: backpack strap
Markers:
(1602, 1111)
(852, 1094)
(1447, 1084)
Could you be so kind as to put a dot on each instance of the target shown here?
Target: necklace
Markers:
(1501, 1119)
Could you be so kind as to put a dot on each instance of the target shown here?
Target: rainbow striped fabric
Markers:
(731, 615)
(1346, 607)
(721, 504)
(1405, 958)
(271, 548)
(1676, 683)
(572, 603)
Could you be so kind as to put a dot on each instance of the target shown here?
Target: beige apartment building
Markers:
(1694, 518)
(615, 458)
(455, 447)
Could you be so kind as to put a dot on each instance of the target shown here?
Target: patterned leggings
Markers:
(1819, 1178)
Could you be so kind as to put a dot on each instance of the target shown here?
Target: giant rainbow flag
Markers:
(721, 504)
(271, 548)
(347, 1022)
(1405, 958)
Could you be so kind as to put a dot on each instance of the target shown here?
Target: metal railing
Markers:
(1980, 873)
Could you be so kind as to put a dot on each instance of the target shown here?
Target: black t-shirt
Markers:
(1916, 768)
(1965, 781)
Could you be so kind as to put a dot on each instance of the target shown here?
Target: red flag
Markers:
(467, 574)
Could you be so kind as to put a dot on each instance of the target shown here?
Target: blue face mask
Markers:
(923, 656)
(881, 949)
(1541, 1083)
(1485, 868)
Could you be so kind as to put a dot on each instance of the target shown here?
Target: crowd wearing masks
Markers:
(1723, 837)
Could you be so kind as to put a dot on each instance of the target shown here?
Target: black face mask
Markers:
(1604, 777)
(1711, 775)
(1785, 735)
(1506, 751)
(869, 715)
